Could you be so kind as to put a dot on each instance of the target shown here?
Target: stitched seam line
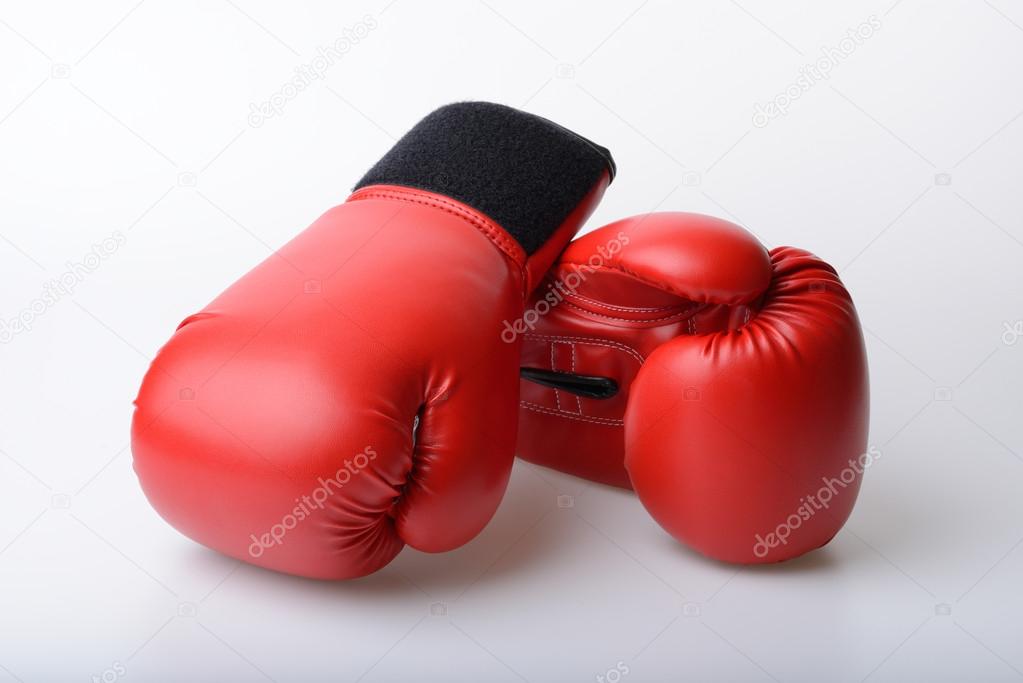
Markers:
(557, 394)
(656, 285)
(578, 400)
(606, 421)
(590, 340)
(673, 316)
(631, 309)
(494, 233)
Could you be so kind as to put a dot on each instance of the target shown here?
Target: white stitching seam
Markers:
(578, 403)
(557, 396)
(590, 340)
(606, 421)
(631, 320)
(560, 412)
(633, 309)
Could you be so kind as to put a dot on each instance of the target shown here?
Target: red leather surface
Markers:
(736, 416)
(638, 283)
(388, 309)
(698, 258)
(774, 411)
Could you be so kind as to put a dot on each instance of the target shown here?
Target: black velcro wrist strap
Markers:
(525, 173)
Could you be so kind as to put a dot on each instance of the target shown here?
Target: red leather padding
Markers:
(279, 424)
(615, 295)
(728, 435)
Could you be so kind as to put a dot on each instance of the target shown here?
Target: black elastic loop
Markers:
(587, 386)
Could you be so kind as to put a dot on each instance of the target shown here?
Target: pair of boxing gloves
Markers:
(368, 385)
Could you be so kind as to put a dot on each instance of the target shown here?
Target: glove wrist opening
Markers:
(525, 173)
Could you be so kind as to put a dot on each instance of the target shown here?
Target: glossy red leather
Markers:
(637, 284)
(350, 394)
(739, 405)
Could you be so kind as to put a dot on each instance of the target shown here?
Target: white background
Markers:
(132, 117)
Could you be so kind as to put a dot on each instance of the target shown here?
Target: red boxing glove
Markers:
(352, 393)
(727, 385)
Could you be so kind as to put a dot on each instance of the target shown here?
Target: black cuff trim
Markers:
(522, 171)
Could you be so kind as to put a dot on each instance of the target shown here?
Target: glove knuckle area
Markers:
(737, 458)
(462, 459)
(272, 460)
(692, 256)
(727, 435)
